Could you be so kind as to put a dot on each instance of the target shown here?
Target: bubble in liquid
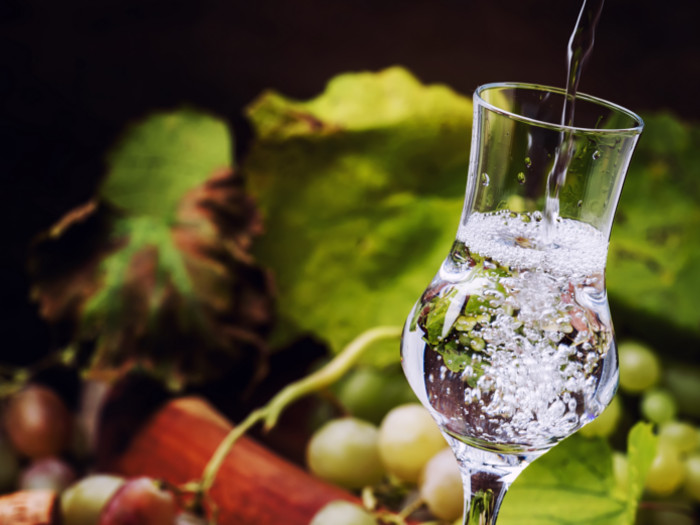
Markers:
(485, 179)
(579, 203)
(521, 178)
(596, 155)
(528, 162)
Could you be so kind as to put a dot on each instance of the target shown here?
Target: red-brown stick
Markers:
(28, 507)
(254, 485)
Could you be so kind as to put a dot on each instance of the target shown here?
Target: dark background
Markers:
(74, 73)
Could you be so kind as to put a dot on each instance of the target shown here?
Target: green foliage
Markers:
(655, 245)
(146, 269)
(361, 189)
(161, 158)
(574, 484)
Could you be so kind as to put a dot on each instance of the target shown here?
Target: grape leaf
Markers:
(574, 484)
(655, 244)
(161, 158)
(641, 449)
(361, 189)
(156, 270)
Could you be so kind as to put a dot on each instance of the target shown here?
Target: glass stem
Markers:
(486, 477)
(486, 495)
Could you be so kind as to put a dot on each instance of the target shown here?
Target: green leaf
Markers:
(134, 281)
(641, 449)
(161, 158)
(435, 320)
(574, 484)
(655, 244)
(362, 190)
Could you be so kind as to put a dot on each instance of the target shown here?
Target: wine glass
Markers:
(511, 347)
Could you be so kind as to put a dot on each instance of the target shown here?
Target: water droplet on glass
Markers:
(485, 179)
(596, 155)
(521, 178)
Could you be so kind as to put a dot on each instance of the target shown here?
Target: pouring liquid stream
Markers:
(578, 52)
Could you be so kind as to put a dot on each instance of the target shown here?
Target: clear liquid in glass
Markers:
(511, 346)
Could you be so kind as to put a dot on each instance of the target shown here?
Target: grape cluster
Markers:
(35, 438)
(645, 390)
(406, 448)
(45, 446)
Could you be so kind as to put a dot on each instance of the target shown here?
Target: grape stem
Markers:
(270, 413)
(13, 379)
(410, 509)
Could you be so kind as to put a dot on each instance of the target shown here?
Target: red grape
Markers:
(47, 473)
(187, 518)
(37, 422)
(139, 502)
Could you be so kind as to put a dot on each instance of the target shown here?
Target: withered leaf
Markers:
(163, 282)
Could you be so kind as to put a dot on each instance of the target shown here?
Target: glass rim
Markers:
(635, 130)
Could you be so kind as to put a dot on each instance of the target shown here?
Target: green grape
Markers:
(369, 393)
(9, 465)
(441, 486)
(82, 502)
(639, 367)
(342, 513)
(692, 476)
(680, 435)
(666, 472)
(344, 451)
(658, 406)
(408, 438)
(605, 423)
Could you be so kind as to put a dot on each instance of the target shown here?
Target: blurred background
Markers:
(74, 73)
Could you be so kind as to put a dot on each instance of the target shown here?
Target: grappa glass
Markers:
(511, 346)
